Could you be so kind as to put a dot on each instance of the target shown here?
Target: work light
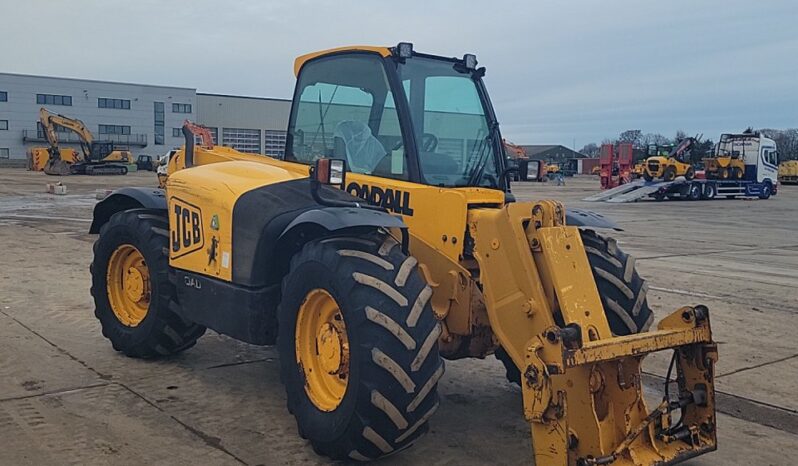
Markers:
(405, 49)
(470, 61)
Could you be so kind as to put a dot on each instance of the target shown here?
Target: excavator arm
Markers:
(50, 121)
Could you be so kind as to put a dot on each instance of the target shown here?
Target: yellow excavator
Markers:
(99, 157)
(370, 252)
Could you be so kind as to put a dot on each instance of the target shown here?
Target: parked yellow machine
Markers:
(97, 158)
(422, 254)
(788, 172)
(724, 165)
(675, 163)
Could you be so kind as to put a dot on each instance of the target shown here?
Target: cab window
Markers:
(346, 110)
(771, 156)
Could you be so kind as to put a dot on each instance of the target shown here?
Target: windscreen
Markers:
(455, 140)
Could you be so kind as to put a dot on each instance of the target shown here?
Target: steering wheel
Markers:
(429, 142)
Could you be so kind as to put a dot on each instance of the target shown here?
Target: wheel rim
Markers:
(128, 285)
(322, 349)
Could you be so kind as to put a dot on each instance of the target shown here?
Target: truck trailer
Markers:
(760, 178)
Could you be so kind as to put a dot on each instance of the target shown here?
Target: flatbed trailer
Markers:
(682, 189)
(758, 153)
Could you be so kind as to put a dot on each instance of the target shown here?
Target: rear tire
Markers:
(622, 291)
(694, 192)
(689, 174)
(162, 331)
(393, 362)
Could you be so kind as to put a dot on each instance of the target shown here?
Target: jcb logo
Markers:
(186, 228)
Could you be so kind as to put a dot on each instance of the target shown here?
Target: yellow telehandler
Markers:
(386, 241)
(668, 162)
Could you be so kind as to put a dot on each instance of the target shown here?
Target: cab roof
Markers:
(302, 59)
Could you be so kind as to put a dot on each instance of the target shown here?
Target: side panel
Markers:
(200, 206)
(246, 314)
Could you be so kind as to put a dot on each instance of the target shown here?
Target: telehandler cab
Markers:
(422, 254)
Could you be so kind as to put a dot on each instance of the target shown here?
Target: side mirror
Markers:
(329, 171)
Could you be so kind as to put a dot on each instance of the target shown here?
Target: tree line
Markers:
(786, 141)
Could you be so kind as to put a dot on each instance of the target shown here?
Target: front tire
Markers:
(767, 190)
(622, 291)
(134, 299)
(375, 385)
(669, 174)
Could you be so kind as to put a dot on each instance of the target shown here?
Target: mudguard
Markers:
(585, 218)
(339, 218)
(124, 199)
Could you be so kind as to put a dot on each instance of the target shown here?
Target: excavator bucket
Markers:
(583, 386)
(57, 167)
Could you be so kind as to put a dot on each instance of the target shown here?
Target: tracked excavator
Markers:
(98, 157)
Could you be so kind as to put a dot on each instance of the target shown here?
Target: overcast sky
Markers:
(559, 72)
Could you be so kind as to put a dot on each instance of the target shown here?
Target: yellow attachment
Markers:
(582, 388)
(128, 285)
(302, 59)
(322, 349)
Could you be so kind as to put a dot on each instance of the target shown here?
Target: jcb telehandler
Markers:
(422, 254)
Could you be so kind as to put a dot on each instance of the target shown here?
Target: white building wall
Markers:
(242, 117)
(22, 111)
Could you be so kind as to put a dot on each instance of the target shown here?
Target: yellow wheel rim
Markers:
(128, 285)
(322, 349)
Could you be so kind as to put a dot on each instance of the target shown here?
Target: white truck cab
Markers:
(759, 154)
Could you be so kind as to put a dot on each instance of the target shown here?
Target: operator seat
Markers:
(363, 151)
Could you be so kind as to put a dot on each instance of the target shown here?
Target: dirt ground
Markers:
(67, 398)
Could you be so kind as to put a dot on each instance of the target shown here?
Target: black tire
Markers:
(738, 173)
(723, 173)
(162, 332)
(767, 190)
(378, 289)
(647, 176)
(709, 192)
(689, 175)
(669, 174)
(694, 192)
(622, 290)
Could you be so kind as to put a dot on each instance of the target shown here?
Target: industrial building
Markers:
(551, 152)
(146, 119)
